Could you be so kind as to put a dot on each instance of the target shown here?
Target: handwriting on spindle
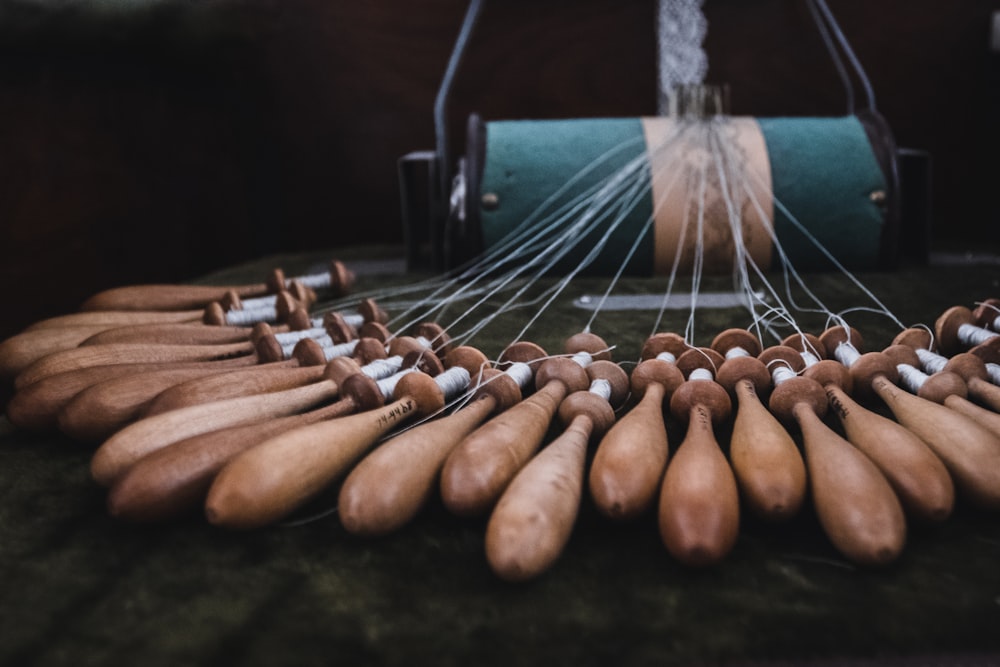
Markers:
(703, 416)
(397, 412)
(841, 409)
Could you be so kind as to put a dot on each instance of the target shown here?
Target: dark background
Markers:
(159, 142)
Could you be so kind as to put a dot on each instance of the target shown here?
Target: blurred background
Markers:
(157, 140)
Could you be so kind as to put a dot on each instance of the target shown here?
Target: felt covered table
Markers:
(80, 588)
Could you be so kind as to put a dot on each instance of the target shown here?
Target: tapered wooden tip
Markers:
(372, 312)
(275, 280)
(368, 350)
(269, 349)
(940, 386)
(565, 371)
(341, 278)
(375, 330)
(591, 405)
(874, 364)
(435, 333)
(828, 372)
(338, 329)
(986, 313)
(968, 366)
(740, 368)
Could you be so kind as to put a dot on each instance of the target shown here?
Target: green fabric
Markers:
(823, 173)
(528, 161)
(81, 589)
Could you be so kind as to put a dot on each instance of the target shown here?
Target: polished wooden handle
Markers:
(856, 506)
(166, 297)
(629, 463)
(266, 483)
(984, 417)
(262, 379)
(390, 485)
(98, 411)
(117, 318)
(21, 350)
(918, 476)
(533, 519)
(699, 503)
(147, 435)
(480, 467)
(128, 353)
(175, 480)
(769, 469)
(171, 334)
(37, 406)
(970, 452)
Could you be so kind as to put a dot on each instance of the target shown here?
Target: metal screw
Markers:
(878, 197)
(490, 201)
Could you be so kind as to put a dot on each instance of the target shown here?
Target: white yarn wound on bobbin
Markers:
(810, 358)
(388, 385)
(521, 373)
(971, 335)
(602, 388)
(583, 358)
(701, 374)
(667, 357)
(268, 301)
(251, 316)
(382, 368)
(932, 363)
(453, 381)
(286, 337)
(341, 350)
(312, 281)
(781, 373)
(846, 354)
(994, 371)
(736, 351)
(911, 377)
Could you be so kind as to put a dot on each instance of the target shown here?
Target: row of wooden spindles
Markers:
(250, 423)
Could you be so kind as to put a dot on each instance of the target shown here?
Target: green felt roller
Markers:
(830, 174)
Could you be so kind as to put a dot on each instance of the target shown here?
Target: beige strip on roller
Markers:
(677, 167)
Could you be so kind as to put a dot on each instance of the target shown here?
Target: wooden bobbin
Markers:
(307, 365)
(338, 329)
(736, 338)
(589, 343)
(918, 339)
(970, 452)
(390, 485)
(806, 342)
(769, 470)
(110, 319)
(917, 475)
(700, 357)
(440, 341)
(948, 389)
(273, 479)
(174, 481)
(699, 502)
(130, 353)
(629, 462)
(480, 467)
(370, 311)
(946, 329)
(37, 406)
(972, 369)
(835, 336)
(856, 506)
(136, 440)
(174, 334)
(375, 330)
(533, 519)
(21, 350)
(664, 342)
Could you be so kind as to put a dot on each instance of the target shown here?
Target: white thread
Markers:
(388, 385)
(667, 357)
(602, 388)
(453, 381)
(341, 350)
(782, 373)
(971, 335)
(701, 374)
(846, 354)
(583, 358)
(251, 316)
(810, 358)
(521, 373)
(353, 319)
(911, 376)
(268, 301)
(423, 342)
(286, 337)
(932, 363)
(994, 371)
(736, 351)
(995, 324)
(382, 368)
(313, 281)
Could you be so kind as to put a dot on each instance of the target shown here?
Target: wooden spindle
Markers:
(630, 460)
(268, 482)
(390, 485)
(956, 329)
(184, 297)
(699, 502)
(482, 465)
(856, 506)
(769, 470)
(970, 452)
(533, 519)
(917, 475)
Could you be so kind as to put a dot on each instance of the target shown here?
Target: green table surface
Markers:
(80, 588)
